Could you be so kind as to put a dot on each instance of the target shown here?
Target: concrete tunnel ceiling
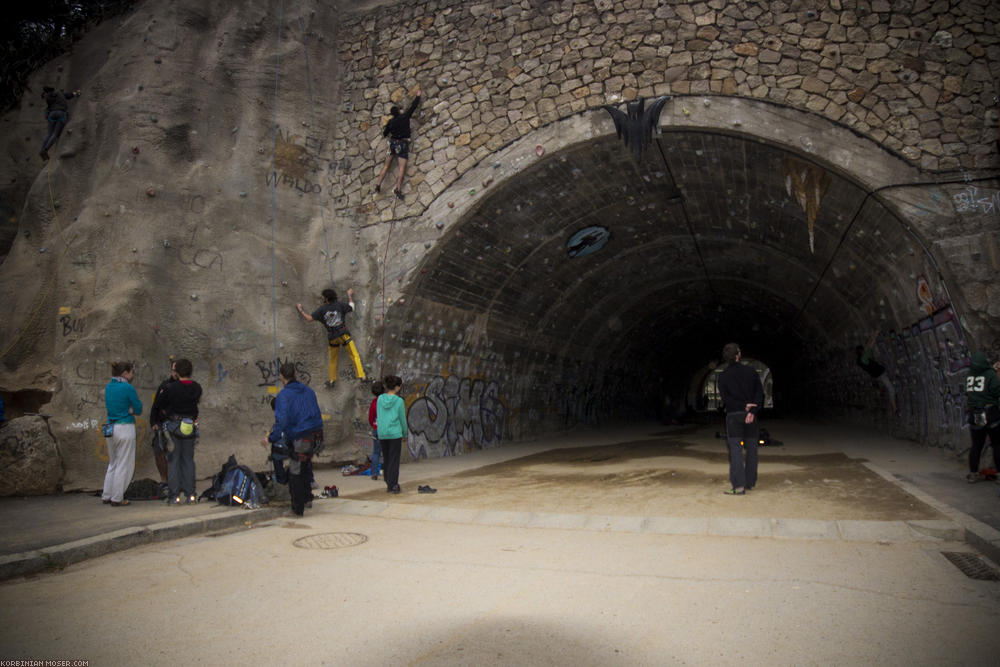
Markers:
(712, 237)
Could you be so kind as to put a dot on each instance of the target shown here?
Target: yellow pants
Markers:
(348, 342)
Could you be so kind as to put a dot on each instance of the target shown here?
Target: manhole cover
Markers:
(972, 565)
(330, 541)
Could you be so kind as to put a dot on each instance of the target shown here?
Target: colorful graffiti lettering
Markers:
(454, 415)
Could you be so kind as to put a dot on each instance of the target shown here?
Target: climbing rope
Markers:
(312, 124)
(52, 280)
(274, 183)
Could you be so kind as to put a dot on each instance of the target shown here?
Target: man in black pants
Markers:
(156, 418)
(298, 419)
(179, 402)
(742, 398)
(398, 131)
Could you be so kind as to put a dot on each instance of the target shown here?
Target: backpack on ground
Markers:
(236, 485)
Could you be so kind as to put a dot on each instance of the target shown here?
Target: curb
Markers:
(976, 534)
(61, 555)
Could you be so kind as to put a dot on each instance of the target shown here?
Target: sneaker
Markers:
(972, 477)
(176, 500)
(426, 489)
(192, 499)
(735, 492)
(395, 489)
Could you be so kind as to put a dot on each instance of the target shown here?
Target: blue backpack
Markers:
(237, 485)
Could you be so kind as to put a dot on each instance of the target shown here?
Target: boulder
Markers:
(30, 463)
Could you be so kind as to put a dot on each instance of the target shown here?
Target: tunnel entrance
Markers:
(587, 280)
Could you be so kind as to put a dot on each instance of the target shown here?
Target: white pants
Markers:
(121, 462)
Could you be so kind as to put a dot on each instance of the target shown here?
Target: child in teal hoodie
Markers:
(391, 420)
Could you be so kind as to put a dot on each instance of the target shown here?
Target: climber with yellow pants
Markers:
(333, 314)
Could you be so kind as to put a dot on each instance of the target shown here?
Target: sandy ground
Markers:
(681, 474)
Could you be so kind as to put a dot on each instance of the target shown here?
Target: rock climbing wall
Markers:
(821, 170)
(183, 212)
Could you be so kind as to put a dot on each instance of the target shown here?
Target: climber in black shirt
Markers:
(398, 131)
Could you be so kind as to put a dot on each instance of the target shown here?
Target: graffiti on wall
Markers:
(928, 362)
(452, 415)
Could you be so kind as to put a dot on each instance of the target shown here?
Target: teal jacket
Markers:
(390, 417)
(118, 398)
(982, 387)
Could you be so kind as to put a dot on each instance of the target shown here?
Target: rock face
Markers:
(30, 464)
(820, 174)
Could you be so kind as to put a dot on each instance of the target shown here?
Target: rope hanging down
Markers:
(274, 185)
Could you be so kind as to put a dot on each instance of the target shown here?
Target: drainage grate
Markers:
(330, 541)
(972, 565)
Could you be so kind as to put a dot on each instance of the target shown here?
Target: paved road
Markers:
(434, 584)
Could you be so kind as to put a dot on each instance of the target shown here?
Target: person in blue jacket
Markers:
(123, 404)
(298, 419)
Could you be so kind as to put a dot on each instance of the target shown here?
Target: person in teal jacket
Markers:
(391, 420)
(123, 404)
(982, 395)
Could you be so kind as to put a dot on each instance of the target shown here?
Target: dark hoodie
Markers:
(296, 413)
(982, 387)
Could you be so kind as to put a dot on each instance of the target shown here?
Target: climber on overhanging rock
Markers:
(398, 131)
(57, 115)
(333, 314)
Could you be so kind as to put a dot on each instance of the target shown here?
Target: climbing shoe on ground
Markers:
(426, 489)
(734, 492)
(399, 194)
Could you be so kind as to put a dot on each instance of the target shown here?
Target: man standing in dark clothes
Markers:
(179, 403)
(333, 315)
(298, 420)
(982, 394)
(156, 419)
(398, 131)
(742, 398)
(57, 115)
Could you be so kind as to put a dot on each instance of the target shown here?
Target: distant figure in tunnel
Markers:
(333, 315)
(982, 395)
(397, 129)
(866, 359)
(742, 398)
(57, 115)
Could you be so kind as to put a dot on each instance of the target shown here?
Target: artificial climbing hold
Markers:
(243, 194)
(194, 297)
(439, 225)
(150, 192)
(451, 204)
(539, 150)
(135, 150)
